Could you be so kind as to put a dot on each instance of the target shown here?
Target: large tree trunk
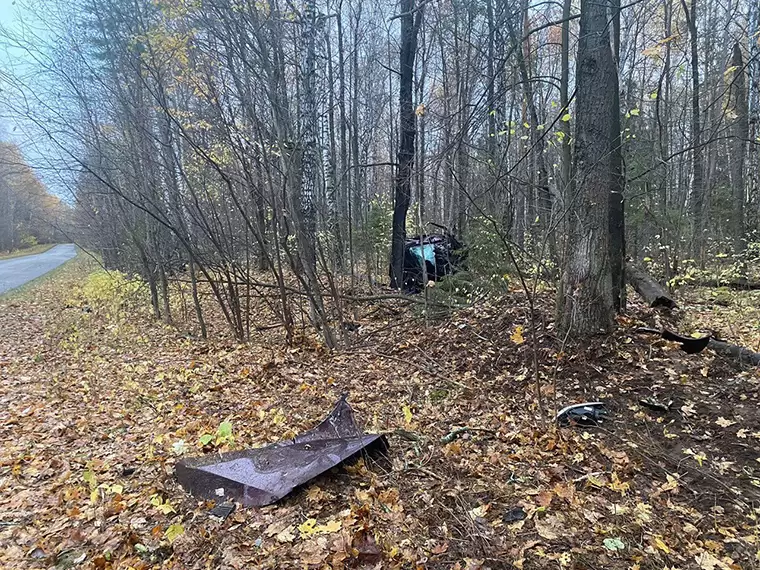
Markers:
(585, 302)
(407, 131)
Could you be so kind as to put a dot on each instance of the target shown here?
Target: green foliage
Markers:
(375, 238)
(28, 241)
(222, 436)
(111, 290)
(377, 230)
(488, 258)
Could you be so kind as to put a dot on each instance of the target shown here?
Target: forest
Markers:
(459, 218)
(285, 152)
(29, 214)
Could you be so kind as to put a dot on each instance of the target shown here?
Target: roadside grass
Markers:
(82, 264)
(34, 250)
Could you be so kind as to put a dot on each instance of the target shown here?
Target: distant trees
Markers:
(29, 214)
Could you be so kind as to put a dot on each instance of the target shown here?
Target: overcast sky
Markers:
(18, 130)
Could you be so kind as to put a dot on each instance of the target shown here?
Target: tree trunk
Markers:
(737, 114)
(697, 195)
(585, 303)
(407, 130)
(307, 150)
(617, 203)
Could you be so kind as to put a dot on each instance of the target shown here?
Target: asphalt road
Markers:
(19, 270)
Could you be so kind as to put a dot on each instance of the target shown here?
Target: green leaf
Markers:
(90, 479)
(225, 430)
(206, 438)
(614, 544)
(634, 112)
(566, 117)
(174, 531)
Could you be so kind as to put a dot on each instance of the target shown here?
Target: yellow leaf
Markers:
(329, 527)
(671, 485)
(166, 508)
(566, 117)
(307, 527)
(517, 336)
(618, 485)
(661, 545)
(174, 531)
(90, 479)
(407, 414)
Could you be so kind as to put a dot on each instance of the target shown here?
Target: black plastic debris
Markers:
(514, 515)
(439, 254)
(587, 414)
(258, 477)
(689, 344)
(221, 512)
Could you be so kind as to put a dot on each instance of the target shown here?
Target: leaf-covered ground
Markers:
(97, 405)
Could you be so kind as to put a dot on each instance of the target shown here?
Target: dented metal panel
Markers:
(258, 477)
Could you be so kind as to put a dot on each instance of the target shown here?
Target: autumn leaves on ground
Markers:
(98, 402)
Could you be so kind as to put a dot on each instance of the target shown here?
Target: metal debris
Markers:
(258, 477)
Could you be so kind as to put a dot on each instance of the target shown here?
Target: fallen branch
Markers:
(650, 290)
(743, 355)
(696, 345)
(407, 435)
(740, 284)
(455, 433)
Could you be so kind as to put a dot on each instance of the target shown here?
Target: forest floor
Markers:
(97, 403)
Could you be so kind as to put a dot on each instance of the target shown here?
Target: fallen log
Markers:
(695, 345)
(650, 290)
(740, 284)
(743, 355)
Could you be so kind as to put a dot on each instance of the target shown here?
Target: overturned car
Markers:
(437, 255)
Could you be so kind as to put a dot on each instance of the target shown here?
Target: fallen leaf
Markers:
(174, 531)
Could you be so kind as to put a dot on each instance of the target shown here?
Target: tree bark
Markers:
(617, 190)
(737, 113)
(697, 195)
(585, 302)
(650, 290)
(410, 23)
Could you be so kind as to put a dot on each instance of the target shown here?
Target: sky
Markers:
(33, 147)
